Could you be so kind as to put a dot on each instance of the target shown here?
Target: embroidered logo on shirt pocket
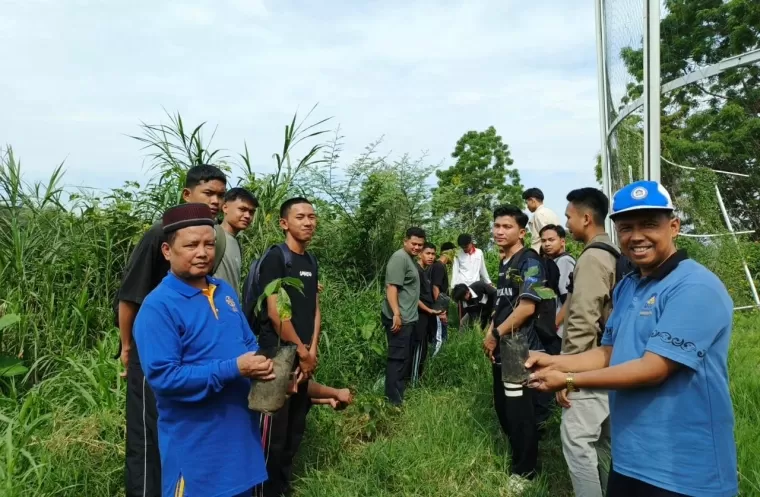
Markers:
(649, 306)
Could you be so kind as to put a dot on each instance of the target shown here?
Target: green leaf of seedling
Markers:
(293, 282)
(532, 271)
(272, 288)
(544, 292)
(283, 305)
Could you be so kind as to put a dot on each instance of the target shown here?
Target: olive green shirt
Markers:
(402, 273)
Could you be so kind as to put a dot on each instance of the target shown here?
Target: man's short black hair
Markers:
(459, 292)
(415, 231)
(238, 193)
(285, 207)
(428, 245)
(515, 212)
(464, 239)
(533, 193)
(593, 199)
(554, 227)
(447, 246)
(203, 173)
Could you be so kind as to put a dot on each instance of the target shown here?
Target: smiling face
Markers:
(210, 193)
(413, 245)
(190, 252)
(647, 237)
(238, 213)
(300, 222)
(507, 232)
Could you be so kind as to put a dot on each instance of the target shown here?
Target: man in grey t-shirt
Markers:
(553, 247)
(239, 208)
(400, 312)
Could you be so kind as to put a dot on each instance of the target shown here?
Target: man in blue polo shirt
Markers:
(199, 357)
(663, 358)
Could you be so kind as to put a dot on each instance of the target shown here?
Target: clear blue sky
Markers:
(80, 75)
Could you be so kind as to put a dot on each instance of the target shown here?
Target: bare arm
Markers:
(424, 308)
(649, 370)
(317, 329)
(319, 391)
(436, 292)
(127, 315)
(561, 315)
(519, 316)
(391, 291)
(596, 358)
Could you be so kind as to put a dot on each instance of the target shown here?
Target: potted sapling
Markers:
(268, 397)
(514, 346)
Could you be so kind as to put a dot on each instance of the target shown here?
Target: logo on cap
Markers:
(639, 193)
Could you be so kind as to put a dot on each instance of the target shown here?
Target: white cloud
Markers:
(80, 76)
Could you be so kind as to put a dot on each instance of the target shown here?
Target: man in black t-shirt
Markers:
(285, 428)
(427, 323)
(516, 311)
(439, 278)
(146, 268)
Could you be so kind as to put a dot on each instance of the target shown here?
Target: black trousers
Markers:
(142, 471)
(282, 433)
(424, 333)
(517, 417)
(623, 486)
(399, 366)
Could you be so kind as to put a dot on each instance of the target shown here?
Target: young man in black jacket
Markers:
(478, 300)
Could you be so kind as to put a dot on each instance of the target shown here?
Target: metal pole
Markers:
(652, 90)
(601, 71)
(747, 273)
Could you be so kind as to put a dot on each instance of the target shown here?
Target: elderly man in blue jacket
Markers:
(199, 357)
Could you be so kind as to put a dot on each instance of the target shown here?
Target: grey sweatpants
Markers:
(585, 436)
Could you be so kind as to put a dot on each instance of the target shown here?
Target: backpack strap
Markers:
(221, 247)
(603, 246)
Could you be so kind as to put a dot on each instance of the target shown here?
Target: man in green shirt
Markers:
(400, 315)
(239, 207)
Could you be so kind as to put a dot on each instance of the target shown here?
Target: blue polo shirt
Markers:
(189, 341)
(678, 435)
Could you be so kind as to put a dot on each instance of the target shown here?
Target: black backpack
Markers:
(252, 289)
(546, 310)
(623, 265)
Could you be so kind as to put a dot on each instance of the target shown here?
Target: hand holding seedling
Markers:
(252, 365)
(307, 362)
(489, 345)
(548, 380)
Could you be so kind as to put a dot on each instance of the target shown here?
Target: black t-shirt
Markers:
(426, 287)
(439, 276)
(509, 292)
(146, 268)
(304, 306)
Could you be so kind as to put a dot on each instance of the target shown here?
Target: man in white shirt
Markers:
(469, 264)
(542, 215)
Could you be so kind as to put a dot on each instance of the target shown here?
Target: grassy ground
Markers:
(446, 441)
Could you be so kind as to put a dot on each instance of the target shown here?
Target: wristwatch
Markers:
(570, 382)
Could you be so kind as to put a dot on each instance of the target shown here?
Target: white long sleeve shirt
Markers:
(469, 268)
(541, 218)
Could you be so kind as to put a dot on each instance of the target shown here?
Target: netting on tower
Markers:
(710, 124)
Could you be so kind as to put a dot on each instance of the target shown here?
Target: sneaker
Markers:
(518, 484)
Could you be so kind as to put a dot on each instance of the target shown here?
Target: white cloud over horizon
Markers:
(81, 76)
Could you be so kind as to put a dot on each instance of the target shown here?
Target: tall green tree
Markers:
(715, 122)
(480, 179)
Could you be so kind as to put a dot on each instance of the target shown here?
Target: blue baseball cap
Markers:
(641, 195)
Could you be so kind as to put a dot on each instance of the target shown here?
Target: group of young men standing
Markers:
(190, 353)
(634, 347)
